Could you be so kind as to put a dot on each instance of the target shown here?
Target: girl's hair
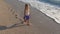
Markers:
(26, 6)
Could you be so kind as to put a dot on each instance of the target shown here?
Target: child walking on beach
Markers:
(26, 14)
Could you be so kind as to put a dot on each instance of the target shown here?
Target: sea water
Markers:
(50, 9)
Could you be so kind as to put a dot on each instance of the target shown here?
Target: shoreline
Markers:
(46, 8)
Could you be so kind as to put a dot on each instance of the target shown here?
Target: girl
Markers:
(26, 14)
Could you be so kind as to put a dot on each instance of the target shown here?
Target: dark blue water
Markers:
(57, 3)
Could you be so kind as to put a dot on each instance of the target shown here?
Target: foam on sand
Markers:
(49, 10)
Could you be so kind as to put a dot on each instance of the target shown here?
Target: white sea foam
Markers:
(49, 10)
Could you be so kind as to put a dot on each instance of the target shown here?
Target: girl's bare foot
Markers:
(25, 23)
(29, 24)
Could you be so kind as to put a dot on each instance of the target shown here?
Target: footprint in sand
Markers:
(16, 16)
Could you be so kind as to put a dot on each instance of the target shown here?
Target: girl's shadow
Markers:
(3, 27)
(10, 26)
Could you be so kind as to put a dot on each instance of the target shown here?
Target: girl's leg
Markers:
(27, 21)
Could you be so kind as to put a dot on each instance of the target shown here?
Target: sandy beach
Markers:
(41, 24)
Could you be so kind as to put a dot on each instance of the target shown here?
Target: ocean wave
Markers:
(49, 10)
(55, 1)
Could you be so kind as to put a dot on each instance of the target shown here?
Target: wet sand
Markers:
(41, 24)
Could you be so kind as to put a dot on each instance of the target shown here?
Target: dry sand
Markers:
(41, 24)
(6, 14)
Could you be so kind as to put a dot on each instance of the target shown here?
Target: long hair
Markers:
(26, 6)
